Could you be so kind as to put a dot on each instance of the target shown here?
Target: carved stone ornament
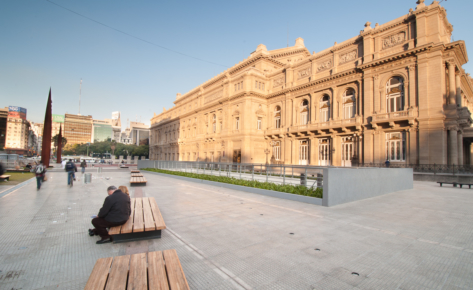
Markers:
(303, 73)
(213, 97)
(324, 65)
(347, 56)
(278, 82)
(393, 40)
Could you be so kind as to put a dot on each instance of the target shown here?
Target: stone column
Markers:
(452, 146)
(451, 80)
(377, 101)
(460, 147)
(458, 89)
(411, 86)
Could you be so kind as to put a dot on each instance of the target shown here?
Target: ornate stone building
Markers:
(396, 91)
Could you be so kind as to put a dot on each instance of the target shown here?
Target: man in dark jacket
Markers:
(114, 212)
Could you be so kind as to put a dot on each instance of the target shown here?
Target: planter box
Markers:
(272, 193)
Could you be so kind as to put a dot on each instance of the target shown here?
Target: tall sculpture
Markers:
(46, 146)
(59, 147)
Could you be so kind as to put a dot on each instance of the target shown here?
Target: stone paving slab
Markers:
(227, 239)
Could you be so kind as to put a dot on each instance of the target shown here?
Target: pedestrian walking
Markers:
(40, 172)
(83, 165)
(387, 163)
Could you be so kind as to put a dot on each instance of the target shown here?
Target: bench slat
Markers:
(137, 278)
(99, 275)
(148, 216)
(176, 277)
(128, 226)
(138, 225)
(119, 273)
(156, 271)
(158, 218)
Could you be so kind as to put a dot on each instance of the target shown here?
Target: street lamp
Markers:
(88, 144)
(266, 151)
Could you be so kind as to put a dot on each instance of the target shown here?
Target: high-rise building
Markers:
(3, 126)
(102, 131)
(77, 129)
(17, 131)
(139, 133)
(116, 126)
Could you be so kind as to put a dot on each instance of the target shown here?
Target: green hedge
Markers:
(300, 190)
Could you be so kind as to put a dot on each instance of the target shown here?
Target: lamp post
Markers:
(88, 144)
(266, 151)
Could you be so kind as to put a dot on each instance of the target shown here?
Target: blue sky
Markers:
(45, 46)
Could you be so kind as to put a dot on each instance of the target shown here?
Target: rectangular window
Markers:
(277, 151)
(262, 87)
(395, 146)
(256, 84)
(259, 125)
(237, 123)
(278, 122)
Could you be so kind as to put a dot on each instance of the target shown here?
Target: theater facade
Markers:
(397, 91)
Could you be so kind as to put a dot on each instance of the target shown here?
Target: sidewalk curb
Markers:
(272, 193)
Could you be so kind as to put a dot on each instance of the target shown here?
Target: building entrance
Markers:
(324, 152)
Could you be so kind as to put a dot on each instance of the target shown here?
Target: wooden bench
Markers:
(137, 175)
(5, 177)
(444, 182)
(153, 270)
(456, 183)
(139, 180)
(145, 222)
(135, 171)
(123, 166)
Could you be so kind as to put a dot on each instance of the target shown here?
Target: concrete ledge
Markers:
(272, 193)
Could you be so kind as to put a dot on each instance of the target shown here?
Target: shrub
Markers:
(287, 188)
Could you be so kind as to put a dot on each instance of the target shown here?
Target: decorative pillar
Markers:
(452, 146)
(376, 100)
(412, 94)
(460, 147)
(451, 81)
(458, 89)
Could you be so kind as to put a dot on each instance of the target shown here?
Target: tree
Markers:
(55, 140)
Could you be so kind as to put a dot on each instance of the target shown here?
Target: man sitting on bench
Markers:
(115, 211)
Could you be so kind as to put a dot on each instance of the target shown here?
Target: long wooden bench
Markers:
(138, 181)
(135, 171)
(145, 222)
(137, 175)
(444, 182)
(5, 177)
(456, 183)
(154, 270)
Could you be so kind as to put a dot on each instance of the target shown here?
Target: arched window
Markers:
(395, 94)
(214, 123)
(304, 112)
(349, 104)
(277, 117)
(325, 108)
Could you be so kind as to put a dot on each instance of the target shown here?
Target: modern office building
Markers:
(397, 91)
(77, 129)
(102, 131)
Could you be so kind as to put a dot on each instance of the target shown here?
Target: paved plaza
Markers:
(227, 239)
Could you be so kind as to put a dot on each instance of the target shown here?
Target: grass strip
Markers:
(299, 190)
